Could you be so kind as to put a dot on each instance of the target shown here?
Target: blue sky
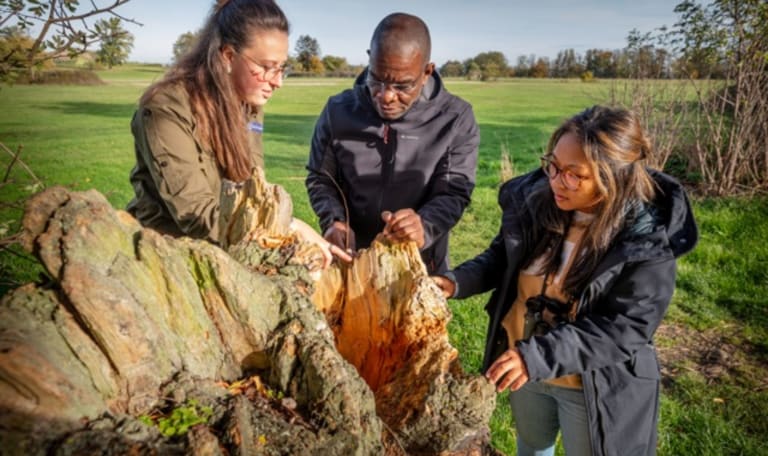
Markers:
(460, 28)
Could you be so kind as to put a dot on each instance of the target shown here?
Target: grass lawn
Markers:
(715, 338)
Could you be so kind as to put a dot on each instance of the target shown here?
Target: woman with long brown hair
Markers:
(202, 123)
(583, 270)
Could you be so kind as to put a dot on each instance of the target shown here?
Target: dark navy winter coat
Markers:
(610, 342)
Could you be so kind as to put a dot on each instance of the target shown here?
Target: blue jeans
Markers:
(541, 410)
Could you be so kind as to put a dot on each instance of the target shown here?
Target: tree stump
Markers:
(390, 321)
(135, 325)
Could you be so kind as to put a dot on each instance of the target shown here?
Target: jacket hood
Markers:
(675, 213)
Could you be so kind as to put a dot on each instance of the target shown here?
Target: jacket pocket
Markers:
(645, 364)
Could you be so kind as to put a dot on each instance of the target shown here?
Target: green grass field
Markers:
(715, 398)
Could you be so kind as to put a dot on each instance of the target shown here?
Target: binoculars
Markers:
(535, 324)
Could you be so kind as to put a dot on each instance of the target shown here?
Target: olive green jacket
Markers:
(176, 180)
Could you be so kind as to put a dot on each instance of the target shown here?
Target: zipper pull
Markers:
(386, 133)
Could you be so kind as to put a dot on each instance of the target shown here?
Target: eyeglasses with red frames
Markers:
(570, 180)
(266, 73)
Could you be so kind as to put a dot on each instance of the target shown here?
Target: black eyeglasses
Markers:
(376, 86)
(570, 180)
(268, 73)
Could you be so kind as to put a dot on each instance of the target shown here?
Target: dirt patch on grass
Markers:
(720, 355)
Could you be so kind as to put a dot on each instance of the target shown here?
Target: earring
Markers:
(229, 69)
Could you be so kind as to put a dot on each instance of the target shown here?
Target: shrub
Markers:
(62, 76)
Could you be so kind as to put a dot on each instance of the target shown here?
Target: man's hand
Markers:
(508, 371)
(342, 236)
(403, 225)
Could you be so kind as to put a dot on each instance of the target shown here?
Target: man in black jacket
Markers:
(396, 154)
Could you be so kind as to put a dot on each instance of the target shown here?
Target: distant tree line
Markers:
(594, 63)
(654, 55)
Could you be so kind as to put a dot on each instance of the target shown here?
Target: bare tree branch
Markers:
(21, 163)
(95, 12)
(67, 39)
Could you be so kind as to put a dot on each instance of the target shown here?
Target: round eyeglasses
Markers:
(376, 86)
(569, 179)
(266, 73)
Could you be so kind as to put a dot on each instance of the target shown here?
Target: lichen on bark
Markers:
(136, 323)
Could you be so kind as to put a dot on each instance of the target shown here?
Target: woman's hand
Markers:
(508, 371)
(447, 285)
(329, 250)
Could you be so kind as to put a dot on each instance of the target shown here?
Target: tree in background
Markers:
(568, 64)
(306, 48)
(183, 44)
(646, 56)
(59, 30)
(600, 62)
(315, 66)
(334, 63)
(493, 64)
(540, 69)
(523, 67)
(452, 69)
(701, 38)
(116, 42)
(472, 70)
(337, 66)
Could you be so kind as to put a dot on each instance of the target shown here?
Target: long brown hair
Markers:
(616, 149)
(219, 114)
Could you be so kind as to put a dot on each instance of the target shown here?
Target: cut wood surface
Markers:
(390, 321)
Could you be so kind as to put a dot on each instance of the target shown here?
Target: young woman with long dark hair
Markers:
(202, 123)
(583, 270)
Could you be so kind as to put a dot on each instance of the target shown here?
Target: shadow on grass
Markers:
(157, 70)
(751, 310)
(90, 108)
(290, 128)
(524, 141)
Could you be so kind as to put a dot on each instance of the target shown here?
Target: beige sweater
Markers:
(529, 284)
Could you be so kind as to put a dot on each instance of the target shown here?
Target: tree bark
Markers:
(135, 324)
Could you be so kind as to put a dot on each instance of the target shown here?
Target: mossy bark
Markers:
(135, 323)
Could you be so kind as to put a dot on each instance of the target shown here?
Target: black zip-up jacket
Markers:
(424, 160)
(610, 342)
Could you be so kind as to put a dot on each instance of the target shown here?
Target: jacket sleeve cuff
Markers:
(326, 221)
(429, 237)
(534, 360)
